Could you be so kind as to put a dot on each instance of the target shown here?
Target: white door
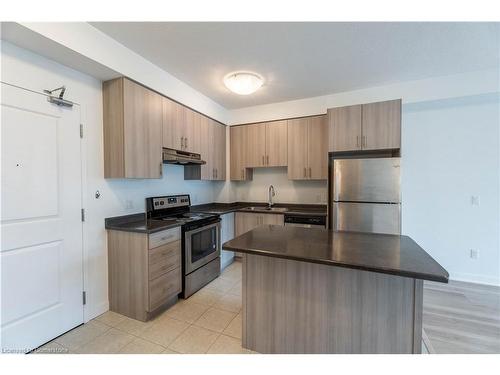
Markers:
(41, 252)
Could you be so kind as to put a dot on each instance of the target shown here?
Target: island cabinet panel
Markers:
(299, 307)
(238, 152)
(144, 272)
(132, 130)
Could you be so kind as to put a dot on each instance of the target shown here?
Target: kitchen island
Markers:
(322, 291)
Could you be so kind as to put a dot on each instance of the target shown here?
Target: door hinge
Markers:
(81, 130)
(83, 214)
(84, 297)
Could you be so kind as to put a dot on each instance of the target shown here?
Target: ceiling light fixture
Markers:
(243, 83)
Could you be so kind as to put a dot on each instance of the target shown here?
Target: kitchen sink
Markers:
(264, 208)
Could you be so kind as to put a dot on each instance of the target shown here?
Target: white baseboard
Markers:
(474, 278)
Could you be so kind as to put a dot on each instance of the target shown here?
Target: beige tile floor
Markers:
(208, 322)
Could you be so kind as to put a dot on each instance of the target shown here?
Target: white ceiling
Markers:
(300, 60)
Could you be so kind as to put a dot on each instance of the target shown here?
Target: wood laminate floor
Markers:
(461, 318)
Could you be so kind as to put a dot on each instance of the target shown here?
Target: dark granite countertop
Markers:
(291, 208)
(383, 253)
(138, 223)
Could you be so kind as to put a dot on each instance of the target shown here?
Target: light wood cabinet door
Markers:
(256, 145)
(298, 163)
(244, 222)
(381, 125)
(273, 219)
(276, 144)
(178, 120)
(191, 144)
(207, 139)
(317, 140)
(132, 130)
(219, 153)
(238, 154)
(344, 128)
(168, 123)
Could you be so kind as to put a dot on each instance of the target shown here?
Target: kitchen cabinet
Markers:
(181, 127)
(213, 149)
(307, 148)
(372, 126)
(238, 136)
(267, 144)
(246, 221)
(382, 125)
(144, 272)
(132, 122)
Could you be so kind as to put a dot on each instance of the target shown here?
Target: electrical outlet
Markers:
(474, 254)
(475, 200)
(129, 204)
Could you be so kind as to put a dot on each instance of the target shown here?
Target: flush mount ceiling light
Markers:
(243, 83)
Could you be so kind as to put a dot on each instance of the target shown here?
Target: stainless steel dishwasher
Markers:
(305, 220)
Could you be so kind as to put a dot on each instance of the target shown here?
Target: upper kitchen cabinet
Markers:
(238, 136)
(382, 125)
(267, 144)
(213, 149)
(373, 126)
(344, 128)
(181, 127)
(132, 124)
(307, 148)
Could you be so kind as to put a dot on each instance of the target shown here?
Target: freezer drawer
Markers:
(367, 180)
(367, 217)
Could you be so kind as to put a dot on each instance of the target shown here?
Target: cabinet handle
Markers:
(185, 142)
(216, 172)
(305, 172)
(364, 141)
(161, 169)
(182, 143)
(357, 141)
(267, 160)
(242, 173)
(263, 160)
(309, 172)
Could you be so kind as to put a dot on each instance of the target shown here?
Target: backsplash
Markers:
(287, 191)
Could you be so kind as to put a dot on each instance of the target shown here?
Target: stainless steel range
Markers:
(201, 241)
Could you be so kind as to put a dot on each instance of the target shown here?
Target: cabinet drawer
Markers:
(164, 258)
(164, 237)
(164, 287)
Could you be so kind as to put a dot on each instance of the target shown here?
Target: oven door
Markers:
(201, 246)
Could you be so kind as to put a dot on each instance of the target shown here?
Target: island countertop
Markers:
(382, 253)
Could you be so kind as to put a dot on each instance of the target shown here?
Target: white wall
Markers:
(29, 70)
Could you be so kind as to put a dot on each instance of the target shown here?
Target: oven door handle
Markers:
(200, 229)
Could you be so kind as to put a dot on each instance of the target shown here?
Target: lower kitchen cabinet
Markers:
(246, 221)
(144, 272)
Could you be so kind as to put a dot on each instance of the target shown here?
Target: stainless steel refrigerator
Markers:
(366, 195)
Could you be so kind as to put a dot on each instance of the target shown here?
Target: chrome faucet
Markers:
(272, 193)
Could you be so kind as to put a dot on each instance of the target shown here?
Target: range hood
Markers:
(171, 156)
